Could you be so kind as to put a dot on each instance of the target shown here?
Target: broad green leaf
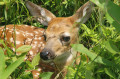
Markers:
(110, 73)
(112, 11)
(36, 60)
(109, 45)
(88, 74)
(2, 62)
(93, 56)
(46, 75)
(12, 67)
(24, 48)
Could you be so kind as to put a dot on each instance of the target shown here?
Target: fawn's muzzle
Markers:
(47, 54)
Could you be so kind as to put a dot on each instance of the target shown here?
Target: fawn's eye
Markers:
(65, 38)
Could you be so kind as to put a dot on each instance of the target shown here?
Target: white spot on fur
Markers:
(7, 28)
(29, 39)
(39, 69)
(48, 19)
(37, 73)
(35, 42)
(18, 42)
(39, 38)
(39, 45)
(11, 40)
(43, 45)
(31, 52)
(36, 32)
(26, 25)
(13, 49)
(34, 46)
(31, 34)
(35, 38)
(32, 26)
(37, 50)
(17, 32)
(10, 31)
(23, 34)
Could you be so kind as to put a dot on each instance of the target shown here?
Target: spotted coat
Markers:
(17, 35)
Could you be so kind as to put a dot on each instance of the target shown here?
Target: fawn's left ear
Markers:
(42, 15)
(83, 13)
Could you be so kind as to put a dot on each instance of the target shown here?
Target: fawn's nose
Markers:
(47, 54)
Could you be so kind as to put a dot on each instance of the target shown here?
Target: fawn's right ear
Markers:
(41, 14)
(83, 13)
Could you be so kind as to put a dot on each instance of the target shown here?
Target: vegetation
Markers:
(99, 42)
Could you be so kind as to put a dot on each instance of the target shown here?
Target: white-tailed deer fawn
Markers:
(56, 51)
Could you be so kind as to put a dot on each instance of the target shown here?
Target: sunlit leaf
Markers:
(46, 75)
(36, 60)
(110, 73)
(109, 45)
(93, 56)
(2, 62)
(12, 67)
(88, 74)
(24, 48)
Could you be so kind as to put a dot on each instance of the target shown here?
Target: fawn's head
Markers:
(61, 31)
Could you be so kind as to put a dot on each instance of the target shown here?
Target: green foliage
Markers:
(100, 38)
(36, 60)
(46, 75)
(24, 48)
(6, 71)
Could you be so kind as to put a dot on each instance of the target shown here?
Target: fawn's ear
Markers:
(42, 15)
(83, 13)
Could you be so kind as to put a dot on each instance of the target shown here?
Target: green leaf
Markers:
(12, 67)
(7, 48)
(88, 74)
(24, 48)
(2, 3)
(110, 73)
(36, 60)
(93, 56)
(109, 45)
(112, 11)
(46, 75)
(2, 62)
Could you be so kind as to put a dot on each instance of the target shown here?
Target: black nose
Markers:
(45, 55)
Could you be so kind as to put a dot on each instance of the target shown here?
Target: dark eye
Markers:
(65, 38)
(44, 37)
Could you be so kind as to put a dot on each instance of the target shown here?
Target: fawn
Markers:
(54, 43)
